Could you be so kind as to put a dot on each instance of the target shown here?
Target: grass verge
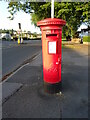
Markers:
(86, 39)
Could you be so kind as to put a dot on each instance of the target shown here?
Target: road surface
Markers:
(13, 55)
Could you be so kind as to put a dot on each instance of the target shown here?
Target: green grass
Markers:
(86, 39)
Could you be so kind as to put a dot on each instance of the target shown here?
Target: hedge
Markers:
(86, 38)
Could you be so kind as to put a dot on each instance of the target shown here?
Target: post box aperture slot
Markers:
(52, 47)
(51, 35)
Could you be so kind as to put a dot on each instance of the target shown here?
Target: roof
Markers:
(83, 26)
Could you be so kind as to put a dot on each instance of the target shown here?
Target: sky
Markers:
(20, 17)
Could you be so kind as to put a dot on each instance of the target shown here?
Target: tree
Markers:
(73, 12)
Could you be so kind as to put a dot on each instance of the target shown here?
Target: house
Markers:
(83, 30)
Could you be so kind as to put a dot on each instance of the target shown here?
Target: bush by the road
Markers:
(86, 38)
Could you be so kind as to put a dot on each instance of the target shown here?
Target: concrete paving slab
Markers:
(9, 89)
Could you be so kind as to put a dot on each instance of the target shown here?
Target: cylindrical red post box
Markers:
(51, 53)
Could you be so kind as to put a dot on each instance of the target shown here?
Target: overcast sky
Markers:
(20, 17)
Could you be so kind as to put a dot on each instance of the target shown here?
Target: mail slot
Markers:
(51, 29)
(51, 35)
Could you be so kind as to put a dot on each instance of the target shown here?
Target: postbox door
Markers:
(51, 61)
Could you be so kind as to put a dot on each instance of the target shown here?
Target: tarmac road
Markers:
(13, 54)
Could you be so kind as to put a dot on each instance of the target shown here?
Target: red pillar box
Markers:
(51, 52)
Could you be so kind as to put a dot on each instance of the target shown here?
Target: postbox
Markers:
(51, 29)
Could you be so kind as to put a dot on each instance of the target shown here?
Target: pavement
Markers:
(24, 97)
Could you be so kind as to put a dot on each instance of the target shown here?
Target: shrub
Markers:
(86, 39)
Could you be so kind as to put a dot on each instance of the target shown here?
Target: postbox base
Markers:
(52, 88)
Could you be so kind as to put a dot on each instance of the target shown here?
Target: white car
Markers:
(5, 36)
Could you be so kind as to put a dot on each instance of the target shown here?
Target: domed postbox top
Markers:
(51, 21)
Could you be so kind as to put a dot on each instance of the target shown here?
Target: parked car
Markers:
(5, 36)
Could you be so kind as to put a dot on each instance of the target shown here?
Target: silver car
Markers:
(5, 36)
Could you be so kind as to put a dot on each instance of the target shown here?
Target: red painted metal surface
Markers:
(51, 32)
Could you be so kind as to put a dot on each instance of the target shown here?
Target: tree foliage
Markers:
(73, 12)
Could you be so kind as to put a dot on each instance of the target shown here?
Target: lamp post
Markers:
(52, 9)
